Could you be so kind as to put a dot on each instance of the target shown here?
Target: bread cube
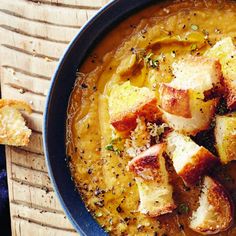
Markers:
(200, 74)
(183, 100)
(225, 136)
(153, 182)
(13, 130)
(190, 160)
(215, 212)
(225, 51)
(202, 113)
(127, 102)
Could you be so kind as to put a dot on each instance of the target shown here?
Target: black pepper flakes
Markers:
(84, 86)
(119, 209)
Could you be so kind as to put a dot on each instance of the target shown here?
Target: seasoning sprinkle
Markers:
(194, 27)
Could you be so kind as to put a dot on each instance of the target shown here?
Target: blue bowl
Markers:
(56, 109)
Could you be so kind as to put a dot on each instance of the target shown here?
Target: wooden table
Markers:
(33, 35)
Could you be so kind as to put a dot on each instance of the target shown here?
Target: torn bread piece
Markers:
(127, 102)
(215, 213)
(225, 135)
(225, 51)
(13, 130)
(153, 182)
(190, 160)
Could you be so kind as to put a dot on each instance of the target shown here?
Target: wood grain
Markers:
(33, 36)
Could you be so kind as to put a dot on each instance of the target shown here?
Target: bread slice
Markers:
(127, 102)
(190, 160)
(215, 213)
(225, 51)
(225, 136)
(153, 182)
(13, 130)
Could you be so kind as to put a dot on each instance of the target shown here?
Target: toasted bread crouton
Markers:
(175, 101)
(225, 51)
(128, 102)
(200, 74)
(225, 135)
(13, 130)
(202, 113)
(190, 160)
(153, 182)
(230, 81)
(215, 212)
(183, 99)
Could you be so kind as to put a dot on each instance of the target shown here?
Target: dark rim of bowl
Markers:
(121, 9)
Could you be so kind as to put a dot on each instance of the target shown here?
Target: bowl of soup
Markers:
(140, 122)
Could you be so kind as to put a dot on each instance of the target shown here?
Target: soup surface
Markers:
(160, 35)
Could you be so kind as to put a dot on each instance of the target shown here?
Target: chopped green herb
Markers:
(183, 208)
(113, 146)
(99, 214)
(150, 61)
(109, 147)
(193, 47)
(194, 27)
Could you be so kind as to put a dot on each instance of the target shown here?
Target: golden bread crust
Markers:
(175, 101)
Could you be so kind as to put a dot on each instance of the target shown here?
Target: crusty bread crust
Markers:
(175, 101)
(200, 164)
(225, 51)
(202, 115)
(124, 122)
(231, 89)
(146, 164)
(19, 105)
(225, 136)
(220, 207)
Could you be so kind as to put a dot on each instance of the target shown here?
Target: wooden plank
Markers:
(81, 4)
(31, 177)
(31, 44)
(24, 82)
(42, 217)
(36, 101)
(27, 159)
(61, 16)
(26, 227)
(38, 29)
(36, 144)
(18, 59)
(35, 196)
